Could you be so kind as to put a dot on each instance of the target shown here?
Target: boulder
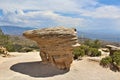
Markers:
(112, 49)
(3, 51)
(56, 44)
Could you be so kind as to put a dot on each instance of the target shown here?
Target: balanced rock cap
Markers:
(50, 31)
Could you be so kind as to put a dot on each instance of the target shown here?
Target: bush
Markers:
(5, 42)
(105, 62)
(116, 57)
(85, 48)
(93, 44)
(78, 52)
(87, 51)
(10, 47)
(96, 44)
(94, 52)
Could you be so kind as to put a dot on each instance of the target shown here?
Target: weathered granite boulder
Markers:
(112, 49)
(56, 44)
(3, 51)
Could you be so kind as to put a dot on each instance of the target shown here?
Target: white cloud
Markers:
(71, 6)
(110, 12)
(91, 13)
(38, 19)
(53, 5)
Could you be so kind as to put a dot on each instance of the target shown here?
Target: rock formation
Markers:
(3, 51)
(56, 44)
(112, 49)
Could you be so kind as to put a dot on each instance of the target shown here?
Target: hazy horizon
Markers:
(100, 15)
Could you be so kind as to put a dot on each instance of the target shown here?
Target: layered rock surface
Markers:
(56, 44)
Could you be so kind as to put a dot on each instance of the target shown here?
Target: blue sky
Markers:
(110, 2)
(81, 14)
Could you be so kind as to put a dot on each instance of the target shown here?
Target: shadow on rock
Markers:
(37, 69)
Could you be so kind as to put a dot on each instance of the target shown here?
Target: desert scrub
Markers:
(85, 48)
(94, 52)
(116, 57)
(78, 52)
(93, 44)
(105, 62)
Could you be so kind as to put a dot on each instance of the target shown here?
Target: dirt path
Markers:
(27, 66)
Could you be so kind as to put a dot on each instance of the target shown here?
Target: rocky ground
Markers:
(28, 66)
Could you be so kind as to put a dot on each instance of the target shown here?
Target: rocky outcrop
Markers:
(3, 51)
(56, 44)
(112, 49)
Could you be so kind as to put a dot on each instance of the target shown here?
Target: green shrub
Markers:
(105, 62)
(88, 43)
(96, 44)
(78, 52)
(87, 51)
(17, 47)
(94, 52)
(5, 42)
(116, 57)
(93, 44)
(85, 48)
(9, 46)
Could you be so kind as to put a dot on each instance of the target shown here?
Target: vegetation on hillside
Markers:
(17, 43)
(103, 43)
(5, 41)
(22, 44)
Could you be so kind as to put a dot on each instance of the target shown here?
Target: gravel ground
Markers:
(28, 66)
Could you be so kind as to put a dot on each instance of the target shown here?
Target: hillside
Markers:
(92, 34)
(4, 40)
(14, 30)
(16, 43)
(1, 33)
(21, 44)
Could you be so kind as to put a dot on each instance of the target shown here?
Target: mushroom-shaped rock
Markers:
(56, 44)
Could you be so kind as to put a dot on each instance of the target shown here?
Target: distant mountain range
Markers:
(14, 30)
(107, 36)
(102, 35)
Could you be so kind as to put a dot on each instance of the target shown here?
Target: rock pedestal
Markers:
(56, 44)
